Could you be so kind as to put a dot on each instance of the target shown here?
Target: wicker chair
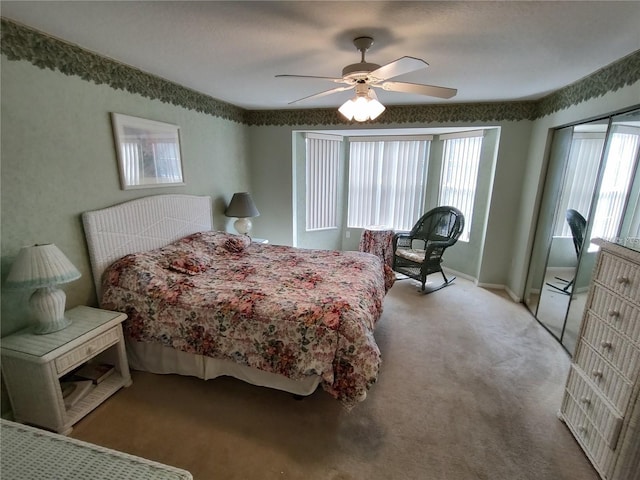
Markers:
(577, 225)
(418, 253)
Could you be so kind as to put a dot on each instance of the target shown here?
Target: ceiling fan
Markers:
(364, 75)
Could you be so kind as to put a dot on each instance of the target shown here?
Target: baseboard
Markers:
(488, 286)
(449, 271)
(495, 286)
(513, 296)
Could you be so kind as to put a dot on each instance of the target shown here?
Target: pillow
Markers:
(218, 243)
(190, 264)
(237, 243)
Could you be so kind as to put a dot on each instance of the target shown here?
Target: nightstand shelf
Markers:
(33, 365)
(97, 395)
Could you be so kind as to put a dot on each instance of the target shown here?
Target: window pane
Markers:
(386, 183)
(364, 183)
(322, 164)
(581, 176)
(459, 177)
(621, 156)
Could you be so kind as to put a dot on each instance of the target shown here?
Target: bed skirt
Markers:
(155, 358)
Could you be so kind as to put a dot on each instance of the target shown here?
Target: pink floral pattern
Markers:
(294, 312)
(379, 242)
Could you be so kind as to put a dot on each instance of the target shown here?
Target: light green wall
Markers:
(519, 173)
(270, 153)
(331, 238)
(58, 160)
(272, 182)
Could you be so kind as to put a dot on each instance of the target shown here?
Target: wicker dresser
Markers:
(601, 405)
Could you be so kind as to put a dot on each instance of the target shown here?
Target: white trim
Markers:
(471, 133)
(589, 135)
(321, 229)
(323, 136)
(390, 138)
(513, 296)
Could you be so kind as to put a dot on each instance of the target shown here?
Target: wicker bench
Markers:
(32, 454)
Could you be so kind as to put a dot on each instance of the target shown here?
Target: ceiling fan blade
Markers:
(322, 94)
(333, 79)
(430, 90)
(399, 67)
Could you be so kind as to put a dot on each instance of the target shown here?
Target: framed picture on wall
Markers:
(148, 152)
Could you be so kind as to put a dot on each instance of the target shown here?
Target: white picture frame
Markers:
(148, 152)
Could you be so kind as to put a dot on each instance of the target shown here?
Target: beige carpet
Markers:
(469, 389)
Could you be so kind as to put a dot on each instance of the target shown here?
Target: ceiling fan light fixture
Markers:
(364, 106)
(348, 109)
(375, 108)
(361, 109)
(364, 75)
(371, 110)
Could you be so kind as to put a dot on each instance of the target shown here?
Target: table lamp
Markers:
(43, 267)
(243, 208)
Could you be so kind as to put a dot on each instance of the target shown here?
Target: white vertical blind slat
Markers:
(386, 183)
(615, 184)
(322, 170)
(582, 169)
(459, 177)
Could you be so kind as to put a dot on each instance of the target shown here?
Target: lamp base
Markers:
(243, 226)
(55, 326)
(48, 306)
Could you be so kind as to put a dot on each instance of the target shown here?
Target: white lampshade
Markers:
(43, 267)
(242, 207)
(364, 106)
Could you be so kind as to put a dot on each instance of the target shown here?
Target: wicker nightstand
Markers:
(32, 366)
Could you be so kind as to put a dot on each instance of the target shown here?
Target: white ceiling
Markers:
(232, 50)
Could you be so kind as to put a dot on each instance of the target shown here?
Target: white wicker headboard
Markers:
(142, 224)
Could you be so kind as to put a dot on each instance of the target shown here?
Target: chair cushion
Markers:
(412, 254)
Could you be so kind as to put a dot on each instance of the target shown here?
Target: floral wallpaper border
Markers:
(19, 42)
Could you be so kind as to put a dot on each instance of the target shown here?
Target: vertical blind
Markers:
(386, 182)
(616, 181)
(461, 162)
(322, 173)
(581, 175)
(132, 166)
(582, 170)
(160, 163)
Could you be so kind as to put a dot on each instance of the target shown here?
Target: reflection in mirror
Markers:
(581, 165)
(592, 190)
(559, 150)
(616, 209)
(569, 229)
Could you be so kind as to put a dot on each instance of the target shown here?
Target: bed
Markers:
(208, 303)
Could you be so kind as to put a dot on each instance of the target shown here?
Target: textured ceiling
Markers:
(232, 50)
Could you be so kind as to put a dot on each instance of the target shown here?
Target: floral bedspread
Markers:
(294, 312)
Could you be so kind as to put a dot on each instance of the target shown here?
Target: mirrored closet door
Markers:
(591, 191)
